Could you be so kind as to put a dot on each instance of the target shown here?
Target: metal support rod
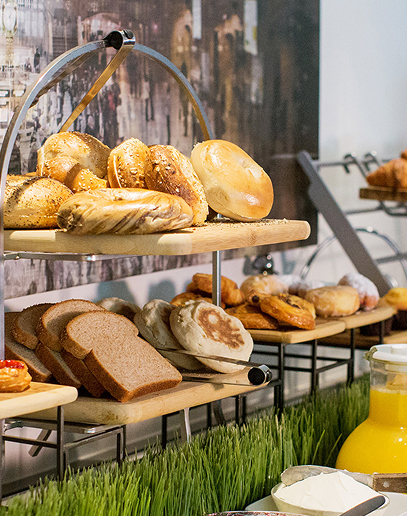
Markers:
(185, 425)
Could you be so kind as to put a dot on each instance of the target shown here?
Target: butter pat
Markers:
(335, 492)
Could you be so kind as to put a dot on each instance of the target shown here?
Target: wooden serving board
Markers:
(187, 394)
(364, 341)
(381, 193)
(38, 396)
(323, 328)
(213, 236)
(361, 318)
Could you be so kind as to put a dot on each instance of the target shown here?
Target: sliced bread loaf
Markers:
(54, 320)
(26, 322)
(81, 371)
(56, 364)
(16, 351)
(126, 365)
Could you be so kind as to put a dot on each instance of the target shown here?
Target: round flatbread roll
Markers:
(207, 329)
(334, 301)
(123, 211)
(173, 173)
(128, 164)
(184, 297)
(235, 185)
(33, 202)
(91, 153)
(153, 322)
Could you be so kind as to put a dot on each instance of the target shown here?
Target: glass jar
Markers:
(379, 444)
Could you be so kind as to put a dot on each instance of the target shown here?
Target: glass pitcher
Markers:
(379, 444)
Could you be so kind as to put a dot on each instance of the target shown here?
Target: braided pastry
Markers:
(288, 309)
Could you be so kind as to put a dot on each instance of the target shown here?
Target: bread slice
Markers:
(81, 371)
(126, 365)
(54, 320)
(56, 364)
(26, 322)
(16, 351)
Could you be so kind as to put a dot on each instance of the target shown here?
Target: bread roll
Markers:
(235, 185)
(70, 172)
(173, 173)
(334, 301)
(123, 211)
(128, 164)
(33, 202)
(91, 153)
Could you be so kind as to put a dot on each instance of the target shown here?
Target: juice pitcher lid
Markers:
(396, 353)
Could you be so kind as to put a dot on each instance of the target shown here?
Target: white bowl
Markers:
(287, 507)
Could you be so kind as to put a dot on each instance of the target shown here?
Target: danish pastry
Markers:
(252, 317)
(334, 301)
(14, 376)
(288, 309)
(367, 290)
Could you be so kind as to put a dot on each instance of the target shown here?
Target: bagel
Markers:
(90, 153)
(123, 211)
(33, 202)
(70, 172)
(173, 173)
(128, 163)
(235, 185)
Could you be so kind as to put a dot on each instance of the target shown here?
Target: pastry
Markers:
(333, 301)
(289, 309)
(123, 211)
(128, 164)
(201, 284)
(235, 185)
(252, 317)
(397, 297)
(367, 290)
(392, 174)
(14, 376)
(173, 173)
(263, 285)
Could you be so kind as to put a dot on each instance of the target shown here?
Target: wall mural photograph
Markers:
(253, 64)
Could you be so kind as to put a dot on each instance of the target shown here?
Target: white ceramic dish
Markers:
(396, 507)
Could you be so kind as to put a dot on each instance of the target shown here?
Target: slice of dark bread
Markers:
(54, 320)
(56, 364)
(26, 322)
(81, 371)
(16, 351)
(126, 365)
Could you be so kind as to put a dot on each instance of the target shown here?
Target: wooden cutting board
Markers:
(361, 318)
(187, 394)
(214, 236)
(323, 328)
(38, 396)
(381, 193)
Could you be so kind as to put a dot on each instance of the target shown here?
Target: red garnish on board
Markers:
(15, 364)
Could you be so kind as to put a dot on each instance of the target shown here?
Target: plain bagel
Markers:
(235, 185)
(123, 211)
(128, 164)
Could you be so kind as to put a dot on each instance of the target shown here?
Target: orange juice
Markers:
(379, 444)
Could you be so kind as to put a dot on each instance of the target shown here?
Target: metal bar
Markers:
(61, 457)
(27, 440)
(185, 425)
(344, 232)
(351, 363)
(92, 438)
(314, 374)
(43, 436)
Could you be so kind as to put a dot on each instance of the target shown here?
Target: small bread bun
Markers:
(263, 285)
(128, 164)
(235, 185)
(334, 301)
(91, 153)
(173, 173)
(367, 290)
(70, 172)
(33, 202)
(14, 376)
(124, 211)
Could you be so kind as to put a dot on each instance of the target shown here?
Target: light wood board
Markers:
(362, 318)
(214, 236)
(186, 394)
(38, 396)
(378, 193)
(323, 328)
(364, 341)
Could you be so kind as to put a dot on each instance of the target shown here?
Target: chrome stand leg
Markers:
(185, 425)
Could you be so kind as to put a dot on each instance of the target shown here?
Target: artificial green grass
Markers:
(226, 468)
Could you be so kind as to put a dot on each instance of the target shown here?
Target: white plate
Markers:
(396, 507)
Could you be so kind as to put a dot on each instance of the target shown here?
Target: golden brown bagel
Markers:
(173, 173)
(235, 185)
(91, 153)
(123, 211)
(128, 164)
